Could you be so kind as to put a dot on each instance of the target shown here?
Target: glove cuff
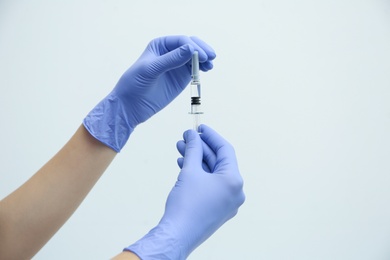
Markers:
(158, 244)
(108, 123)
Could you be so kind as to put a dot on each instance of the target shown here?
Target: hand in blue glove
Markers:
(155, 79)
(208, 192)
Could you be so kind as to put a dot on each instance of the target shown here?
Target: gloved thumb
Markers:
(193, 153)
(174, 59)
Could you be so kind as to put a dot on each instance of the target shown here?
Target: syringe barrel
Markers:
(196, 109)
(196, 113)
(195, 92)
(196, 122)
(195, 89)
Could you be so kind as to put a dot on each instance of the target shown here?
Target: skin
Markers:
(34, 212)
(126, 256)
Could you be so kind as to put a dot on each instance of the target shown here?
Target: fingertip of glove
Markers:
(206, 66)
(180, 145)
(180, 162)
(186, 50)
(201, 128)
(190, 135)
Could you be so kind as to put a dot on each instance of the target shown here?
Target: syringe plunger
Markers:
(195, 66)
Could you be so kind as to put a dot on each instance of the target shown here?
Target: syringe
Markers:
(195, 91)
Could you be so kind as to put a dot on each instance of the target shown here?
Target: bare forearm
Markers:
(33, 213)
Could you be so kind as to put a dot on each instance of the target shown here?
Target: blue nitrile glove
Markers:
(208, 192)
(155, 79)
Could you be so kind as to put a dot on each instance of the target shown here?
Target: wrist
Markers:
(109, 123)
(159, 243)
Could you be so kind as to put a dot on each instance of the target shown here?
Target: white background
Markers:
(300, 88)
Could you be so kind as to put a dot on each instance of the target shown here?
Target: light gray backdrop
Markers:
(300, 88)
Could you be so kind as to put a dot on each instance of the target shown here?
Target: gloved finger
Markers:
(209, 157)
(180, 162)
(206, 168)
(181, 147)
(171, 60)
(176, 41)
(204, 165)
(193, 152)
(206, 66)
(206, 48)
(225, 154)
